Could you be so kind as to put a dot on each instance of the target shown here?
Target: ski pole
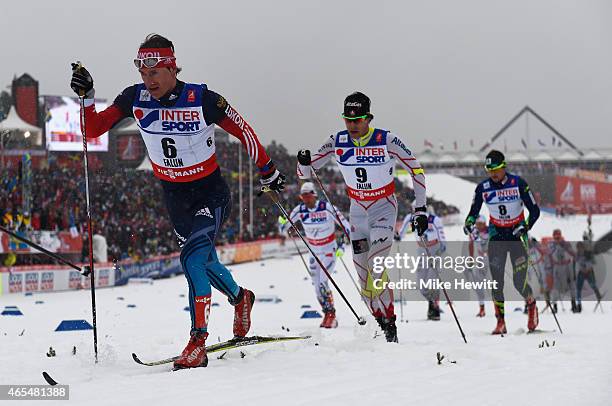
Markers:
(349, 274)
(330, 202)
(89, 225)
(301, 257)
(83, 271)
(526, 246)
(445, 293)
(274, 197)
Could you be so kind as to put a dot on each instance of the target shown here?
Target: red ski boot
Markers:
(194, 354)
(532, 311)
(481, 311)
(329, 321)
(501, 322)
(242, 312)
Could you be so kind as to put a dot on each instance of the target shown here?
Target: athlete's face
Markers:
(497, 175)
(309, 199)
(357, 127)
(158, 81)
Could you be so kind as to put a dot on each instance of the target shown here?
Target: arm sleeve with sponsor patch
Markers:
(318, 160)
(217, 110)
(530, 203)
(397, 150)
(476, 202)
(97, 124)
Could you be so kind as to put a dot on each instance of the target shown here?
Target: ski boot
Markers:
(433, 312)
(388, 327)
(242, 312)
(578, 307)
(574, 308)
(554, 308)
(481, 311)
(533, 319)
(329, 321)
(500, 328)
(194, 354)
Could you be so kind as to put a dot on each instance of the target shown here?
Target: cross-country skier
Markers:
(506, 195)
(479, 247)
(585, 263)
(319, 221)
(432, 245)
(367, 157)
(177, 122)
(561, 255)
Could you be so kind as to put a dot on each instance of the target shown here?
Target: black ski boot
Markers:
(578, 307)
(433, 311)
(574, 307)
(389, 328)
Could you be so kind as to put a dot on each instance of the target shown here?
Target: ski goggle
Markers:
(155, 57)
(153, 61)
(491, 168)
(355, 118)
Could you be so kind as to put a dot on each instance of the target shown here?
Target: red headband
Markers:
(169, 62)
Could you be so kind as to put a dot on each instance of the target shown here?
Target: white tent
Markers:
(14, 123)
(471, 157)
(542, 156)
(567, 155)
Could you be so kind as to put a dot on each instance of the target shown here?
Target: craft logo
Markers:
(31, 281)
(15, 282)
(46, 281)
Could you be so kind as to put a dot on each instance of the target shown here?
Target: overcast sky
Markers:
(443, 71)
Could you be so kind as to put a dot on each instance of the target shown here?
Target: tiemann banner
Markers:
(584, 194)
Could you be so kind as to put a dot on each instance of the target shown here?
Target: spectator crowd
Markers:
(128, 209)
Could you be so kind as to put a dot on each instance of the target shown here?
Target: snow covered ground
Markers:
(348, 366)
(342, 366)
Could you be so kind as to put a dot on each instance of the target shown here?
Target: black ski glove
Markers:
(82, 82)
(303, 157)
(419, 220)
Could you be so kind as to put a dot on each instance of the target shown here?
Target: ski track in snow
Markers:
(347, 367)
